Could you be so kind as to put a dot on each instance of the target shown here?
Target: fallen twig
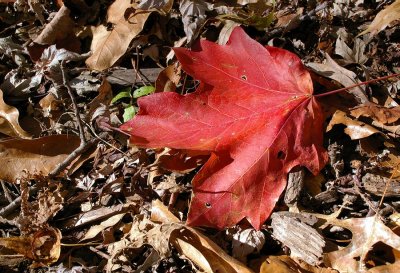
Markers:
(74, 104)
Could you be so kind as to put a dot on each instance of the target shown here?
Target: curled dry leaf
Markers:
(197, 247)
(193, 16)
(378, 113)
(169, 78)
(60, 27)
(246, 242)
(23, 158)
(109, 45)
(384, 18)
(164, 5)
(354, 128)
(9, 124)
(43, 247)
(334, 71)
(96, 229)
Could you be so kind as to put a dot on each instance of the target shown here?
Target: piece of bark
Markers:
(294, 231)
(327, 197)
(126, 77)
(294, 187)
(376, 184)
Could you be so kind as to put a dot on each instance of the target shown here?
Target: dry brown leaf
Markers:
(354, 128)
(60, 27)
(389, 162)
(197, 247)
(179, 161)
(334, 71)
(25, 157)
(384, 18)
(43, 247)
(99, 105)
(378, 113)
(285, 264)
(51, 107)
(289, 21)
(169, 78)
(97, 214)
(9, 124)
(109, 45)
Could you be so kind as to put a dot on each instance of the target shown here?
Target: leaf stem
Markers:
(358, 84)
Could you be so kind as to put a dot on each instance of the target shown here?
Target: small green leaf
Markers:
(129, 113)
(126, 93)
(143, 91)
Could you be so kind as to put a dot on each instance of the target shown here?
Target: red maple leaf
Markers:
(254, 112)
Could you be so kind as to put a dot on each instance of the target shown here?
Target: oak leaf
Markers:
(253, 112)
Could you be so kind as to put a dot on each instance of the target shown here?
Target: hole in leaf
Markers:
(208, 205)
(281, 155)
(381, 254)
(244, 77)
(338, 235)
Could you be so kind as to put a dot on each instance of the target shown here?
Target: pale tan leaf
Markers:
(25, 157)
(110, 222)
(109, 45)
(354, 128)
(384, 18)
(9, 124)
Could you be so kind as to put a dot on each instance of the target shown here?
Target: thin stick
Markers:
(78, 151)
(4, 212)
(355, 85)
(74, 104)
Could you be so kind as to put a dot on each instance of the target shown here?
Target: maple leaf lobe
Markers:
(253, 111)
